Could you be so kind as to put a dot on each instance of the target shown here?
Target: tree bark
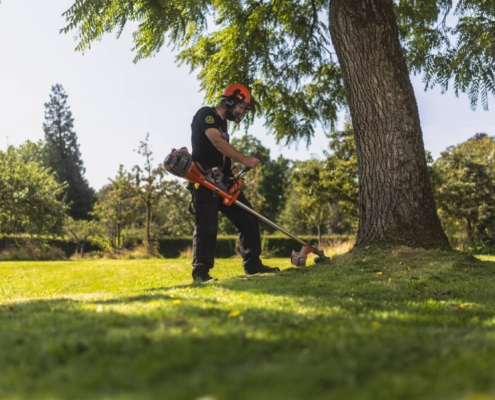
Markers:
(396, 205)
(469, 231)
(148, 227)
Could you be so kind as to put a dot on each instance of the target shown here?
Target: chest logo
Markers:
(210, 119)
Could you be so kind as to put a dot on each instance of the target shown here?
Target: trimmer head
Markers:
(298, 258)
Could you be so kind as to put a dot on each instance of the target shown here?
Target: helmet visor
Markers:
(241, 110)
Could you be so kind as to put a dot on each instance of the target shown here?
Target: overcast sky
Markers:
(115, 102)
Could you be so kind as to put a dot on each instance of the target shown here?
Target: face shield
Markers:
(240, 111)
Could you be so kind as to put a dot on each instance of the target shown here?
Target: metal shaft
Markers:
(272, 224)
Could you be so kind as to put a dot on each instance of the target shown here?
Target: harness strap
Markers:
(223, 137)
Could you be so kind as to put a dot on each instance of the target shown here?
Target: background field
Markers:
(408, 324)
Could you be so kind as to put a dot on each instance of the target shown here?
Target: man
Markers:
(212, 151)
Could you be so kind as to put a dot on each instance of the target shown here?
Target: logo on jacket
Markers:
(210, 119)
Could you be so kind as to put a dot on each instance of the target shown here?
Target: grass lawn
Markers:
(400, 325)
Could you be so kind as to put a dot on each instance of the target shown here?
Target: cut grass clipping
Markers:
(400, 325)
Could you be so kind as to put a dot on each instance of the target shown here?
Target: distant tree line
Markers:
(43, 191)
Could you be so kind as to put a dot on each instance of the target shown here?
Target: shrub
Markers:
(29, 250)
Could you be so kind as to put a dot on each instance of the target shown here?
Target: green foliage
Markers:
(403, 325)
(282, 50)
(323, 194)
(150, 187)
(340, 176)
(313, 199)
(266, 184)
(81, 231)
(28, 195)
(462, 53)
(172, 214)
(29, 249)
(291, 217)
(32, 152)
(142, 206)
(62, 155)
(117, 206)
(464, 185)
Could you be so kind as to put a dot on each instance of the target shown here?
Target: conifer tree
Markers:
(63, 156)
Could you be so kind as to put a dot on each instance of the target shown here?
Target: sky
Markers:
(115, 102)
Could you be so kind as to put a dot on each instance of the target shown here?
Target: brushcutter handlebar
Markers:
(247, 169)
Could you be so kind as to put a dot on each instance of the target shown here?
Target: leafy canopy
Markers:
(458, 48)
(282, 49)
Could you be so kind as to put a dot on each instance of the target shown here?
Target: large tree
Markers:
(282, 50)
(63, 155)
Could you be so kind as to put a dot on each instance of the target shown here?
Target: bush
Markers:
(30, 250)
(39, 248)
(228, 246)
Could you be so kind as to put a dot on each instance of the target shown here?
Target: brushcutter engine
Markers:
(178, 162)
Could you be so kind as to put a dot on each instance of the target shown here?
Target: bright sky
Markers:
(115, 102)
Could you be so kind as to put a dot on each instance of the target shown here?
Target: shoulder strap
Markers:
(221, 133)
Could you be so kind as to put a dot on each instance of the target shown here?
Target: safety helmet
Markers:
(238, 101)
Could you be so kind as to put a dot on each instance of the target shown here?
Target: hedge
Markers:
(227, 246)
(67, 247)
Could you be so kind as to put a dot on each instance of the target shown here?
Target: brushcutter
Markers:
(180, 163)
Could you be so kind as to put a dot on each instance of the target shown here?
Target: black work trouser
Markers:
(206, 228)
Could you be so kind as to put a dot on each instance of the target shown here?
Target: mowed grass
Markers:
(406, 324)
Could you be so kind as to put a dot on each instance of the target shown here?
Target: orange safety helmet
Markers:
(237, 91)
(235, 95)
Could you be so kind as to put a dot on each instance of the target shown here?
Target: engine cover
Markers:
(178, 162)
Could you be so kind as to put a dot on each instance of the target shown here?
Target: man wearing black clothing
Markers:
(212, 151)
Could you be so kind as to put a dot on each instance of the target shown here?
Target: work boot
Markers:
(263, 269)
(202, 276)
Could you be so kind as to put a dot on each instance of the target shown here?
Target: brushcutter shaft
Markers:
(272, 224)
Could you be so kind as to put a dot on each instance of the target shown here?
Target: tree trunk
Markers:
(148, 227)
(469, 231)
(396, 205)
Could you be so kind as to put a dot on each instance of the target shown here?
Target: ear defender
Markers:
(234, 98)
